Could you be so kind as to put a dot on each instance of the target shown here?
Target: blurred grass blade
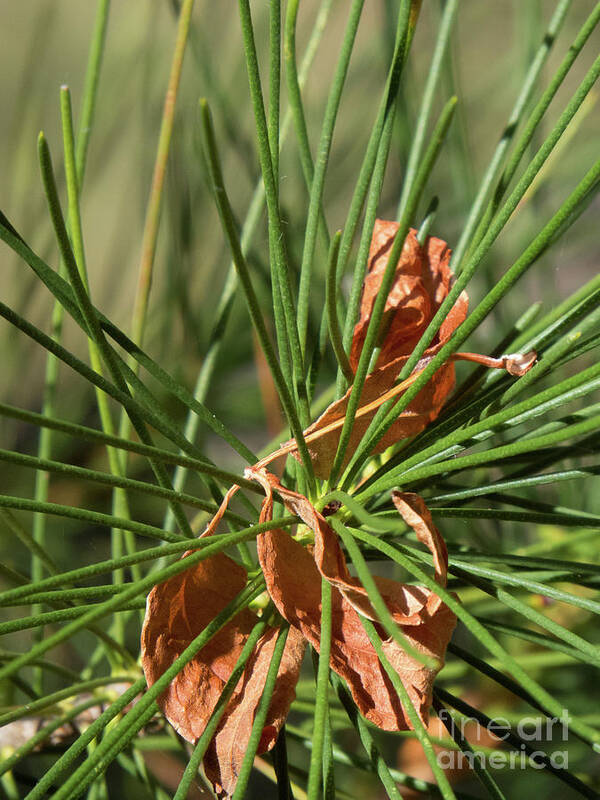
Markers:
(515, 117)
(151, 224)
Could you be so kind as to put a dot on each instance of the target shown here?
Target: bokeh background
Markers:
(44, 45)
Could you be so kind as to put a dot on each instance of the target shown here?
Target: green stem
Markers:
(407, 704)
(532, 124)
(227, 220)
(321, 700)
(249, 227)
(64, 293)
(107, 479)
(321, 163)
(429, 90)
(385, 416)
(89, 315)
(508, 133)
(156, 453)
(193, 764)
(133, 591)
(88, 105)
(482, 773)
(120, 502)
(13, 596)
(371, 174)
(541, 696)
(261, 715)
(335, 333)
(433, 149)
(90, 89)
(280, 274)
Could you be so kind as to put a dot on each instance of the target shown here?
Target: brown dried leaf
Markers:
(293, 576)
(423, 280)
(415, 513)
(177, 611)
(225, 754)
(293, 581)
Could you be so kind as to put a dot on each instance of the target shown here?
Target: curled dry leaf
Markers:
(225, 754)
(177, 611)
(422, 281)
(517, 364)
(180, 608)
(293, 576)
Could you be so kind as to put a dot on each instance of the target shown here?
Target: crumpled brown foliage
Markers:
(181, 607)
(177, 611)
(293, 575)
(423, 280)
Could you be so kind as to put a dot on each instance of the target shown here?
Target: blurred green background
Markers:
(44, 45)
